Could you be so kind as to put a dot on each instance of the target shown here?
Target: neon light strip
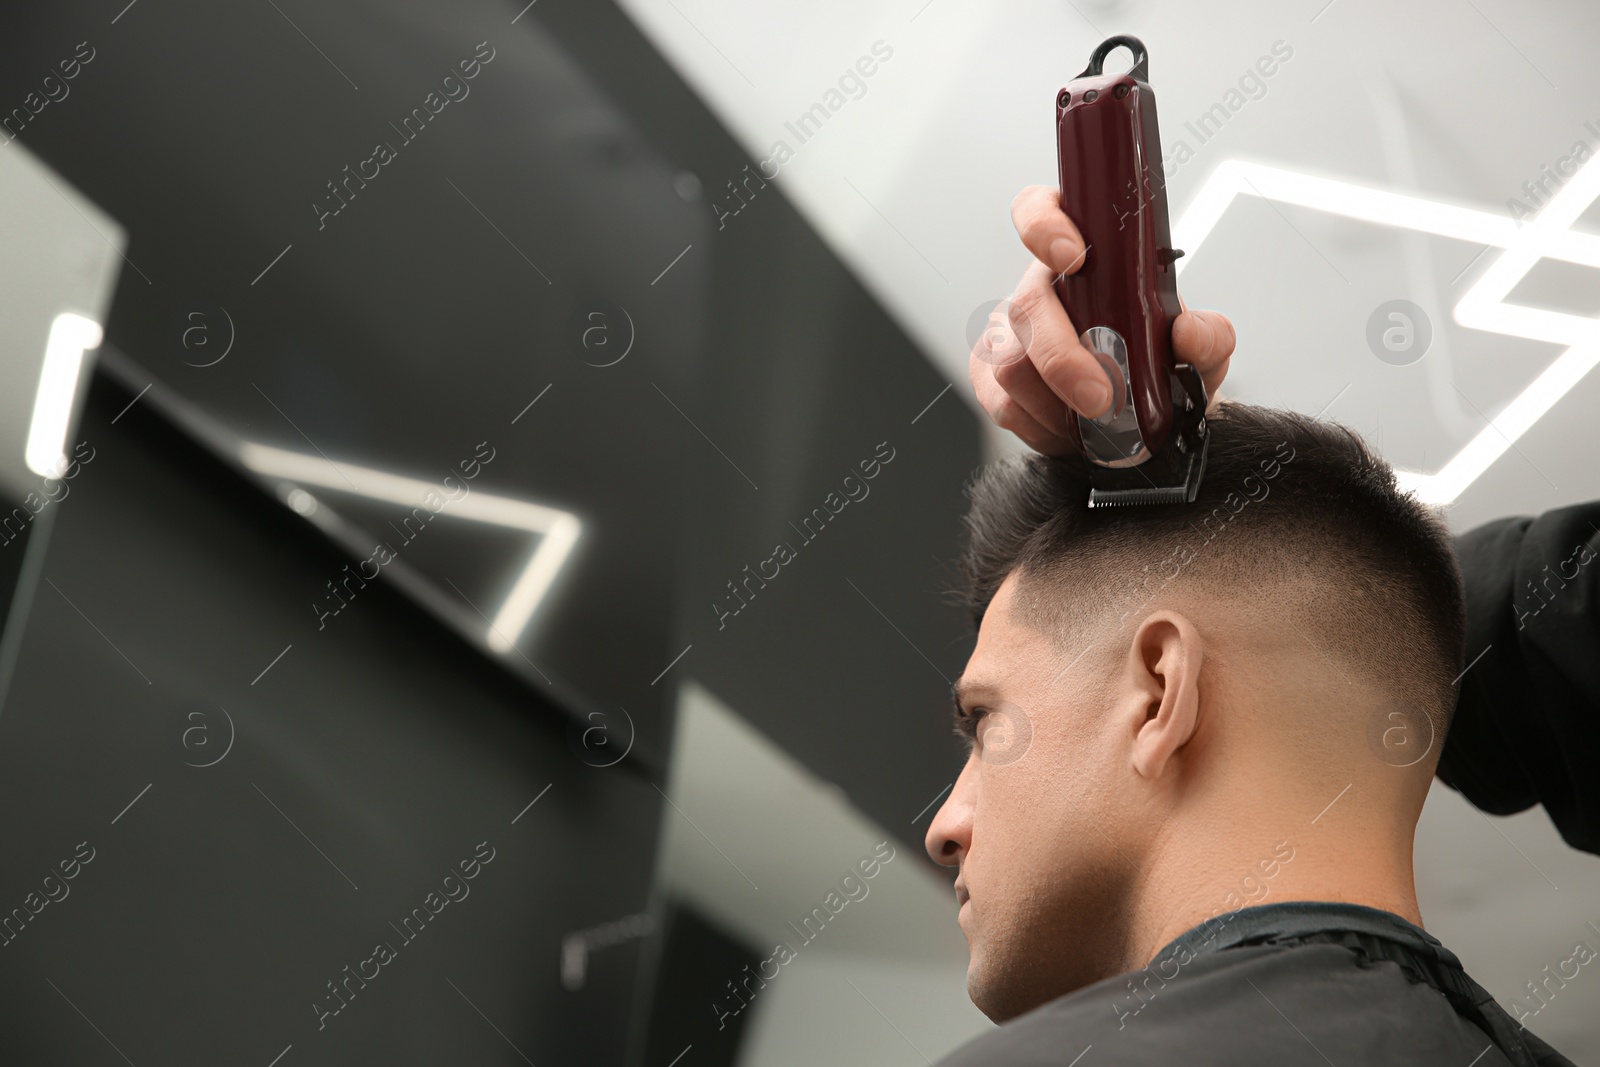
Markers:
(559, 530)
(1548, 235)
(70, 336)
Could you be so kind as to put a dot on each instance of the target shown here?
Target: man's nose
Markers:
(950, 833)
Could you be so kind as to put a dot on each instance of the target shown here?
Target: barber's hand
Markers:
(1029, 363)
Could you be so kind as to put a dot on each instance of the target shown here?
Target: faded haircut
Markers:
(1292, 510)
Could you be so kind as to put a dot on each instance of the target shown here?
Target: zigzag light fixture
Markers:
(558, 530)
(1547, 235)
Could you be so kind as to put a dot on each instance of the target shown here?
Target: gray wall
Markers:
(207, 924)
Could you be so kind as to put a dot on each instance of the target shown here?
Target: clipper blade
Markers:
(1149, 492)
(1115, 498)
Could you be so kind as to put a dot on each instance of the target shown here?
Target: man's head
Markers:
(1163, 692)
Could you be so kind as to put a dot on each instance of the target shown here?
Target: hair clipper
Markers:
(1149, 447)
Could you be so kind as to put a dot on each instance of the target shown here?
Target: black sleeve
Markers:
(1527, 723)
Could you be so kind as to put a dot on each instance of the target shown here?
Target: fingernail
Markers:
(1064, 252)
(1091, 397)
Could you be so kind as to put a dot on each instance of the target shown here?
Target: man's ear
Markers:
(1162, 681)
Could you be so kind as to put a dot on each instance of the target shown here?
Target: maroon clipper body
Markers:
(1150, 446)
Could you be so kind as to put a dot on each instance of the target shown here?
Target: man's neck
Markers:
(1209, 875)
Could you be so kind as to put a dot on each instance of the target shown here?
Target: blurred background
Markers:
(434, 424)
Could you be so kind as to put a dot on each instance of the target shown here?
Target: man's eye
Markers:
(967, 725)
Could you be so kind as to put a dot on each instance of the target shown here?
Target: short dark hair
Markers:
(1289, 505)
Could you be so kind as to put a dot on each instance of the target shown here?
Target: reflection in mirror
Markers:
(58, 267)
(374, 515)
(554, 532)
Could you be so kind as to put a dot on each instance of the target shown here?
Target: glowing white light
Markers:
(1548, 235)
(301, 502)
(70, 336)
(558, 530)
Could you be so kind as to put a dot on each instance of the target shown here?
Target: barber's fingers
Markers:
(1019, 383)
(1030, 365)
(1008, 414)
(1071, 374)
(1045, 229)
(1205, 340)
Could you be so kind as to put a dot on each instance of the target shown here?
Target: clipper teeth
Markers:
(1099, 498)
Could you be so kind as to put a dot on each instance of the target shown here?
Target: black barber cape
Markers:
(1527, 723)
(1296, 983)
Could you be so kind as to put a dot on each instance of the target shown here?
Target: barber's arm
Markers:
(1527, 725)
(1527, 722)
